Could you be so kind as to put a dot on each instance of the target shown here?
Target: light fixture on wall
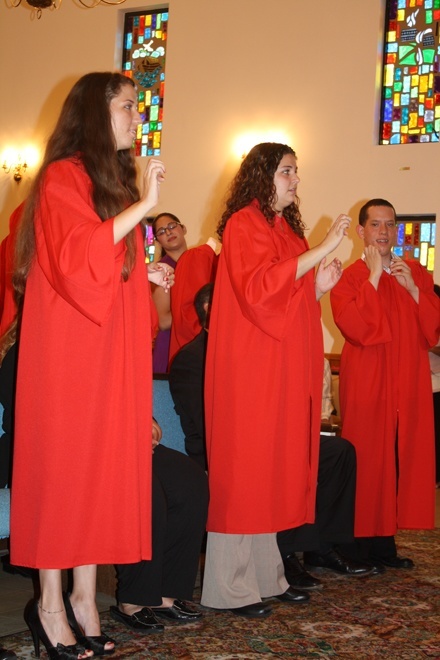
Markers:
(39, 5)
(16, 163)
(18, 168)
(244, 142)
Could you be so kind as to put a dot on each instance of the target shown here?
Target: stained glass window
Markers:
(143, 60)
(416, 239)
(410, 110)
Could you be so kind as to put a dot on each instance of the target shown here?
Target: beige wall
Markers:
(307, 70)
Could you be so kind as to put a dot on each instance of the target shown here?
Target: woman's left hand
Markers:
(327, 276)
(161, 275)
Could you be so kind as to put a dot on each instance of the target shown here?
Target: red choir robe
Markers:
(263, 381)
(385, 393)
(7, 304)
(195, 268)
(81, 491)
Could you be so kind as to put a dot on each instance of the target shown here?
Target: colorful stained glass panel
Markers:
(410, 109)
(416, 239)
(143, 60)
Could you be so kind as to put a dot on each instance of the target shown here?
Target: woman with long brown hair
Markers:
(263, 382)
(82, 469)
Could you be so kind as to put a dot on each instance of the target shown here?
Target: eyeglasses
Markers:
(169, 227)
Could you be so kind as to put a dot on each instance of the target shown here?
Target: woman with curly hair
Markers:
(263, 382)
(82, 470)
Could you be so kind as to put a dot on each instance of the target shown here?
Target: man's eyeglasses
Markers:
(160, 232)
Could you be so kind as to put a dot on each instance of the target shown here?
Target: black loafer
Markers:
(143, 621)
(297, 576)
(6, 655)
(180, 611)
(333, 561)
(293, 596)
(394, 562)
(254, 610)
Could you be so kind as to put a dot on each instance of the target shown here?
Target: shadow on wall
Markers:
(215, 202)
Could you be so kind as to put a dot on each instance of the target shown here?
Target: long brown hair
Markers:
(84, 129)
(255, 180)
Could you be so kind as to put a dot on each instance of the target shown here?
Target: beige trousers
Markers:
(241, 569)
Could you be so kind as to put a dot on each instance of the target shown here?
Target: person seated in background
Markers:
(186, 382)
(178, 323)
(170, 233)
(150, 591)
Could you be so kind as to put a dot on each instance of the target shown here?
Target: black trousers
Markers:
(369, 548)
(436, 397)
(180, 505)
(335, 498)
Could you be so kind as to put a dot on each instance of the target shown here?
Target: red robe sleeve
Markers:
(195, 268)
(9, 309)
(264, 283)
(75, 249)
(360, 315)
(358, 310)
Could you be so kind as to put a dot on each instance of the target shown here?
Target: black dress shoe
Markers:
(376, 567)
(293, 596)
(333, 561)
(179, 611)
(143, 621)
(394, 562)
(297, 576)
(254, 610)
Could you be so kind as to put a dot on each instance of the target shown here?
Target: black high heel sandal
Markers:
(95, 643)
(58, 652)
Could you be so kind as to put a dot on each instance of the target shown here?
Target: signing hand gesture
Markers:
(337, 231)
(161, 275)
(402, 272)
(327, 276)
(154, 175)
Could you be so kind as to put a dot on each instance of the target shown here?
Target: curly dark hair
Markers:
(255, 180)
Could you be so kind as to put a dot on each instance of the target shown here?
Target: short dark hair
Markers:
(203, 296)
(363, 213)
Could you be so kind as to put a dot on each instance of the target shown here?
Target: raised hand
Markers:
(402, 272)
(154, 175)
(327, 276)
(337, 231)
(373, 259)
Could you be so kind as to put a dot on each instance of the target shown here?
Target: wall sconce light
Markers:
(18, 168)
(16, 162)
(245, 141)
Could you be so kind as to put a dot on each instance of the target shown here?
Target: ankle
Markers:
(50, 611)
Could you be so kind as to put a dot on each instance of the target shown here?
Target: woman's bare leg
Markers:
(51, 609)
(83, 599)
